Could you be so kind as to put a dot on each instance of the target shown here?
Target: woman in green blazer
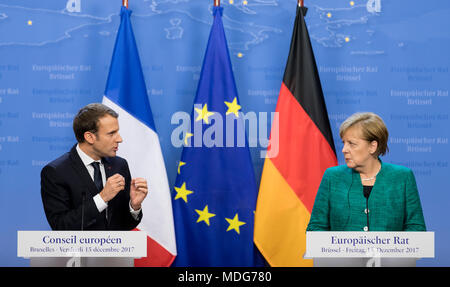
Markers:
(366, 194)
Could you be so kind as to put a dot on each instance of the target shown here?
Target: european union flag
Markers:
(215, 191)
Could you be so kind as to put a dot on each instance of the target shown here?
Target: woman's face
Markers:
(357, 151)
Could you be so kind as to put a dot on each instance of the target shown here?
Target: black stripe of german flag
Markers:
(302, 78)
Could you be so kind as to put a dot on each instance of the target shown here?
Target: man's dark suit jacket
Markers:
(63, 182)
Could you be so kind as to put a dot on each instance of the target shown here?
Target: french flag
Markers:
(126, 93)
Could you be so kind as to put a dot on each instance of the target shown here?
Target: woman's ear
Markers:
(373, 147)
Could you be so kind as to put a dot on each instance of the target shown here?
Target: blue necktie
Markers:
(99, 184)
(97, 176)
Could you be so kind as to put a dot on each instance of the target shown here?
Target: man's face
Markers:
(107, 138)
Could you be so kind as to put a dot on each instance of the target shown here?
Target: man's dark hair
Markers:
(87, 119)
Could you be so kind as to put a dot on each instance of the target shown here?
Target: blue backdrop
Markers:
(389, 57)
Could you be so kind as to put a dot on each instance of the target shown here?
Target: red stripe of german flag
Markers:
(304, 148)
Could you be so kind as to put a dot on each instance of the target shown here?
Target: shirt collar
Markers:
(87, 160)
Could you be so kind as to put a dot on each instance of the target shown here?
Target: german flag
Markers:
(302, 149)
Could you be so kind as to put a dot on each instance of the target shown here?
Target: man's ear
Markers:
(89, 137)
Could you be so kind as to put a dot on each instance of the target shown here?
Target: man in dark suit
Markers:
(90, 188)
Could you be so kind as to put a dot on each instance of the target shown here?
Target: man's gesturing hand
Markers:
(138, 191)
(113, 185)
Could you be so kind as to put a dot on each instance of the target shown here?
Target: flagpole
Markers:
(216, 3)
(125, 3)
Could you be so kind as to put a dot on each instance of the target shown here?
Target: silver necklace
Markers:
(371, 178)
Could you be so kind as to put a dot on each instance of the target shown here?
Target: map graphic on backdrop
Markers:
(373, 55)
(75, 17)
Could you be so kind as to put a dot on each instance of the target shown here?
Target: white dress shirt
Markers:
(99, 202)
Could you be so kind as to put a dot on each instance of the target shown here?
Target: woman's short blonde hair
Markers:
(372, 128)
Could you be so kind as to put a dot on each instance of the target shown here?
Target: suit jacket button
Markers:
(366, 228)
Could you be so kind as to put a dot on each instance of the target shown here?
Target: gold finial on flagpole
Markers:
(125, 3)
(216, 3)
(300, 3)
